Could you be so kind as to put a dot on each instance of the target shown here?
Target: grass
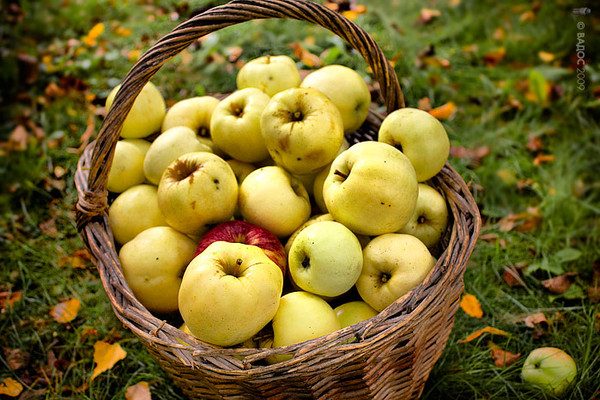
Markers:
(37, 229)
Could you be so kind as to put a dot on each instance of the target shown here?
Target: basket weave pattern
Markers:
(388, 356)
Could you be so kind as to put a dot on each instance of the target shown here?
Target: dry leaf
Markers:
(493, 58)
(352, 15)
(471, 306)
(445, 111)
(122, 31)
(527, 16)
(48, 228)
(543, 159)
(106, 355)
(473, 155)
(10, 387)
(428, 14)
(594, 290)
(309, 59)
(424, 104)
(523, 222)
(512, 276)
(534, 143)
(66, 311)
(559, 284)
(535, 319)
(546, 56)
(139, 391)
(502, 358)
(91, 38)
(16, 358)
(499, 34)
(18, 139)
(233, 53)
(488, 329)
(8, 299)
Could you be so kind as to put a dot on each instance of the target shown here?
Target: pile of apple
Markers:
(204, 210)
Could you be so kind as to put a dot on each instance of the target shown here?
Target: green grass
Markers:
(565, 191)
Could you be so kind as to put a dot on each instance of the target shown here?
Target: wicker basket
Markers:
(388, 356)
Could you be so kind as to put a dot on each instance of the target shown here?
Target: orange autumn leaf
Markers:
(543, 159)
(91, 38)
(502, 358)
(139, 391)
(546, 56)
(8, 299)
(488, 329)
(352, 15)
(10, 387)
(122, 31)
(309, 59)
(493, 58)
(445, 111)
(428, 14)
(65, 311)
(471, 306)
(106, 355)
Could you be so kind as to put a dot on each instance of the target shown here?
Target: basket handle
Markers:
(94, 200)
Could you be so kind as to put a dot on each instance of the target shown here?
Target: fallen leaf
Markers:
(527, 16)
(428, 14)
(454, 3)
(559, 284)
(472, 155)
(543, 159)
(122, 31)
(523, 222)
(471, 306)
(139, 391)
(445, 111)
(535, 319)
(91, 38)
(546, 57)
(488, 329)
(499, 34)
(494, 57)
(106, 355)
(424, 104)
(10, 387)
(512, 276)
(502, 358)
(309, 59)
(534, 143)
(493, 238)
(594, 290)
(18, 139)
(233, 53)
(539, 89)
(65, 311)
(48, 228)
(16, 358)
(8, 299)
(352, 15)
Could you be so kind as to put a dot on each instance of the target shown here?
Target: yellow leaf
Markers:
(546, 56)
(488, 329)
(66, 311)
(471, 306)
(10, 387)
(445, 111)
(93, 34)
(122, 31)
(106, 355)
(139, 391)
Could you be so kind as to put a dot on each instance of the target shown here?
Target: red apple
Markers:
(246, 233)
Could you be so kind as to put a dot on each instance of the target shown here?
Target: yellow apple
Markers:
(354, 312)
(153, 263)
(127, 168)
(430, 218)
(549, 368)
(194, 113)
(134, 211)
(312, 220)
(271, 74)
(346, 89)
(146, 115)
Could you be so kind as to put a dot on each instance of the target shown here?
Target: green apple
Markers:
(393, 265)
(127, 168)
(325, 259)
(146, 115)
(302, 130)
(195, 190)
(229, 293)
(430, 218)
(317, 191)
(549, 368)
(301, 316)
(271, 74)
(346, 89)
(134, 211)
(310, 221)
(420, 136)
(235, 125)
(353, 312)
(371, 188)
(167, 147)
(194, 113)
(272, 198)
(153, 263)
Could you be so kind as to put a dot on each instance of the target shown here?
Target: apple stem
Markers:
(340, 173)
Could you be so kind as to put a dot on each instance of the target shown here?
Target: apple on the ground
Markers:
(549, 368)
(229, 292)
(353, 312)
(394, 264)
(302, 130)
(197, 189)
(235, 125)
(420, 136)
(272, 198)
(134, 211)
(301, 316)
(430, 218)
(346, 89)
(127, 168)
(167, 147)
(371, 188)
(271, 74)
(325, 258)
(246, 233)
(153, 263)
(146, 115)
